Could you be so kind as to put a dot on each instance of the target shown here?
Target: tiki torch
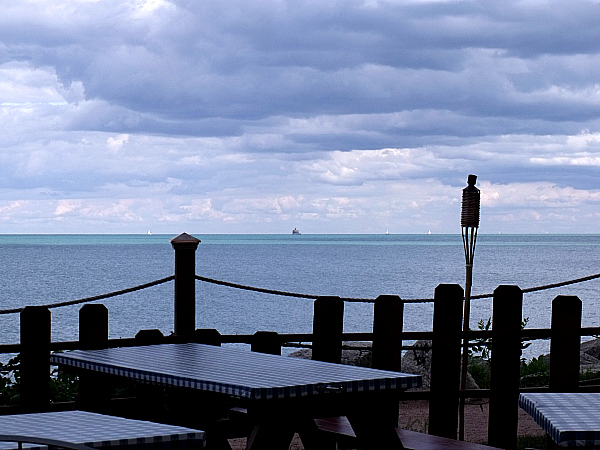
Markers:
(469, 221)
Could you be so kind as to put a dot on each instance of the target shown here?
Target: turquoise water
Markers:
(40, 269)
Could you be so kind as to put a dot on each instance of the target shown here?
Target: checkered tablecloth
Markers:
(571, 419)
(100, 431)
(234, 372)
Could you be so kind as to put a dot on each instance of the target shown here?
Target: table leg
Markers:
(95, 392)
(271, 436)
(311, 438)
(375, 423)
(375, 435)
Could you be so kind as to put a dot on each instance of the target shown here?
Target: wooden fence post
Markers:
(505, 367)
(445, 360)
(35, 358)
(185, 283)
(95, 391)
(151, 336)
(565, 343)
(328, 326)
(150, 399)
(388, 320)
(208, 336)
(266, 342)
(93, 326)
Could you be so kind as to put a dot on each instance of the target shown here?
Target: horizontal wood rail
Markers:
(284, 338)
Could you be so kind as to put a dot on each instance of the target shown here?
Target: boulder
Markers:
(414, 361)
(591, 347)
(360, 355)
(589, 356)
(419, 362)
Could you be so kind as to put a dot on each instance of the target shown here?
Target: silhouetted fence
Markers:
(327, 340)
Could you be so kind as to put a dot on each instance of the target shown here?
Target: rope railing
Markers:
(96, 297)
(278, 292)
(371, 300)
(255, 289)
(290, 294)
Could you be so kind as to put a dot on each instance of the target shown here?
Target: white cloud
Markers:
(114, 144)
(144, 8)
(574, 160)
(11, 208)
(66, 206)
(536, 194)
(22, 84)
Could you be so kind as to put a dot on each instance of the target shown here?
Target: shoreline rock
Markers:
(360, 357)
(419, 361)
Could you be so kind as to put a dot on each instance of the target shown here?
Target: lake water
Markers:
(41, 269)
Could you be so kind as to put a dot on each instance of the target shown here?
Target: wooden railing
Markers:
(326, 341)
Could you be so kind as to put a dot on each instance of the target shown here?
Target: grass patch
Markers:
(531, 442)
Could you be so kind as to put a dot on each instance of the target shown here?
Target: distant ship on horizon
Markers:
(295, 231)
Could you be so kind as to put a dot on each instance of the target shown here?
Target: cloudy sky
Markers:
(337, 116)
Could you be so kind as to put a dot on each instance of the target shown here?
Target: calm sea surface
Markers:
(41, 269)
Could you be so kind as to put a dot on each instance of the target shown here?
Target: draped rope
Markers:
(97, 297)
(277, 292)
(370, 300)
(255, 289)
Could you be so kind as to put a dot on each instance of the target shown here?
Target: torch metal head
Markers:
(470, 204)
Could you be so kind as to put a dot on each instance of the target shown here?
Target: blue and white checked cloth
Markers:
(234, 372)
(99, 431)
(571, 419)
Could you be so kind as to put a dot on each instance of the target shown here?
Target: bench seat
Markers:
(339, 428)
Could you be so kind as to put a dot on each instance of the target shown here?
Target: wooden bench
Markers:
(340, 430)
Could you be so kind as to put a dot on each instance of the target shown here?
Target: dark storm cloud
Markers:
(192, 111)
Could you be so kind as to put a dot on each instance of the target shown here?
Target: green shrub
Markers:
(531, 442)
(64, 386)
(536, 372)
(480, 371)
(10, 381)
(482, 347)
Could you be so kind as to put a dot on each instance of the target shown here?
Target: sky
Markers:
(260, 116)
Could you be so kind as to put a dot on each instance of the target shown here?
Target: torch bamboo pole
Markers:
(469, 239)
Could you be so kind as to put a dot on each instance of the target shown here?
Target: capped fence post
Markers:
(149, 398)
(505, 366)
(151, 336)
(445, 360)
(185, 283)
(95, 391)
(388, 319)
(328, 326)
(35, 358)
(208, 336)
(266, 342)
(564, 343)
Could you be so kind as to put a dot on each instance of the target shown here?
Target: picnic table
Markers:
(95, 430)
(282, 395)
(570, 419)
